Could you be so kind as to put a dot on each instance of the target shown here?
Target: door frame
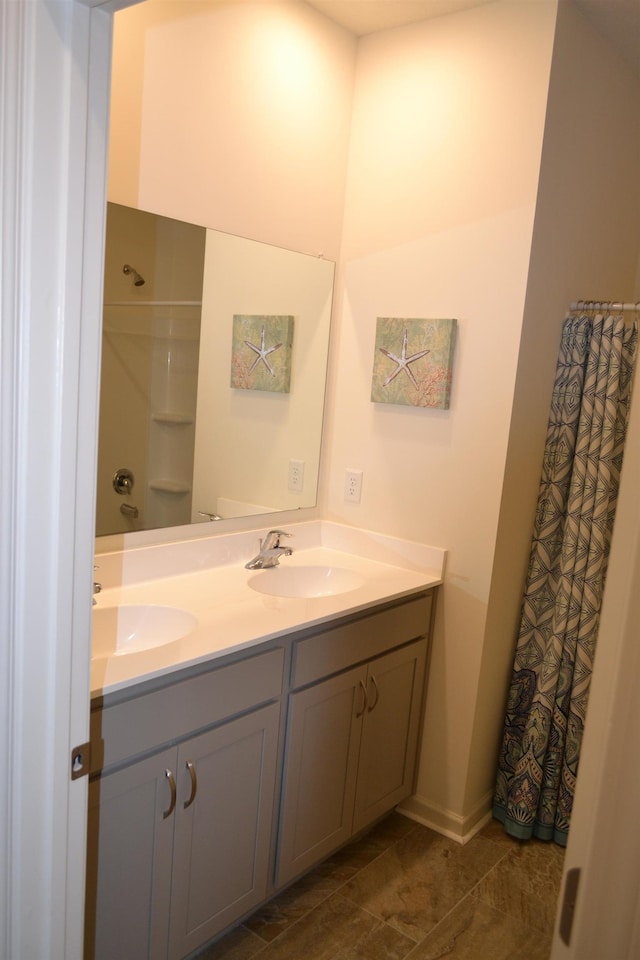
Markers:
(55, 61)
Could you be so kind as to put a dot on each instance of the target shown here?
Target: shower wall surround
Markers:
(149, 369)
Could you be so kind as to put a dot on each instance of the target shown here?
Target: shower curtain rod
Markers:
(604, 304)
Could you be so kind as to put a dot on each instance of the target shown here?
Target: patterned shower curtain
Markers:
(549, 690)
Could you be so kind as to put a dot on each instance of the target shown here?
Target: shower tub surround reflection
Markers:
(206, 580)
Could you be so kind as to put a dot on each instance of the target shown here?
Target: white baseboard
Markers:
(446, 822)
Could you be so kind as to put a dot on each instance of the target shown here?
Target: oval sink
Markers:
(311, 581)
(130, 628)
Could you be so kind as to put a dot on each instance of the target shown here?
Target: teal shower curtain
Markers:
(549, 690)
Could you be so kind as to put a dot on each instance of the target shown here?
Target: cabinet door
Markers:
(129, 861)
(223, 827)
(390, 732)
(323, 736)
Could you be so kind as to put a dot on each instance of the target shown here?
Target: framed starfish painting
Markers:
(412, 362)
(261, 353)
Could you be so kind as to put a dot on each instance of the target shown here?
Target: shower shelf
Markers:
(169, 486)
(172, 418)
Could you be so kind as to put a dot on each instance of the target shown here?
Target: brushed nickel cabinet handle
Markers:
(377, 693)
(172, 785)
(194, 784)
(364, 699)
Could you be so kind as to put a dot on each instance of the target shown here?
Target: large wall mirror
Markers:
(213, 375)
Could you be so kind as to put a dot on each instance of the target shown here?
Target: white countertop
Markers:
(231, 616)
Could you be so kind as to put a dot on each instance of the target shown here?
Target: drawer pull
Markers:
(373, 705)
(172, 785)
(364, 699)
(194, 784)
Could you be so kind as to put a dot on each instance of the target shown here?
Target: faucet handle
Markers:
(272, 539)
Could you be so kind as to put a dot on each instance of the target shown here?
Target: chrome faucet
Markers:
(270, 551)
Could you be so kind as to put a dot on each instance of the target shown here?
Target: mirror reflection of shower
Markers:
(167, 410)
(138, 281)
(150, 349)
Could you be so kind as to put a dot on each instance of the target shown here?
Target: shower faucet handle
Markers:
(97, 587)
(123, 481)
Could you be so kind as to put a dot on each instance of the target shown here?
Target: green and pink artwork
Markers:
(413, 361)
(261, 353)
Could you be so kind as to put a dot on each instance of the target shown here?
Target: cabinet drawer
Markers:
(341, 647)
(146, 722)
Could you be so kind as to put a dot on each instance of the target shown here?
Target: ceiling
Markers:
(617, 20)
(368, 16)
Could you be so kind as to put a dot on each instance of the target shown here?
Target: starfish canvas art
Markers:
(261, 353)
(412, 362)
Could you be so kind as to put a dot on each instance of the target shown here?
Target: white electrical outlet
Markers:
(296, 475)
(353, 486)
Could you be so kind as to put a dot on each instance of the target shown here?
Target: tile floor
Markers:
(403, 892)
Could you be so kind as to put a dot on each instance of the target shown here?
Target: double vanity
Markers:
(245, 723)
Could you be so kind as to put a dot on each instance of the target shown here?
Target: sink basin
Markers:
(310, 581)
(130, 628)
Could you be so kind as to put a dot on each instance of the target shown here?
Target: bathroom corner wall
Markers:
(447, 135)
(586, 243)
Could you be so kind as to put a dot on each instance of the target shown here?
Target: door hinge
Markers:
(80, 761)
(569, 900)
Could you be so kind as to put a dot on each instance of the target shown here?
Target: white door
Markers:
(604, 841)
(54, 87)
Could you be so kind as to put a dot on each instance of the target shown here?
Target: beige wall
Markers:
(235, 116)
(444, 122)
(262, 431)
(446, 139)
(585, 245)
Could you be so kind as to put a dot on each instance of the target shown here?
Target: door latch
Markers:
(80, 761)
(569, 901)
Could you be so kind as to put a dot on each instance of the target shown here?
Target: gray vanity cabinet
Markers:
(221, 858)
(351, 738)
(180, 841)
(324, 727)
(391, 726)
(187, 774)
(129, 854)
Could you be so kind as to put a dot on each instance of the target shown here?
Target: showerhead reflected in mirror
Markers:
(128, 270)
(200, 448)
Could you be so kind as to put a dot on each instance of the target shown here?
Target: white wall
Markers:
(446, 139)
(234, 116)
